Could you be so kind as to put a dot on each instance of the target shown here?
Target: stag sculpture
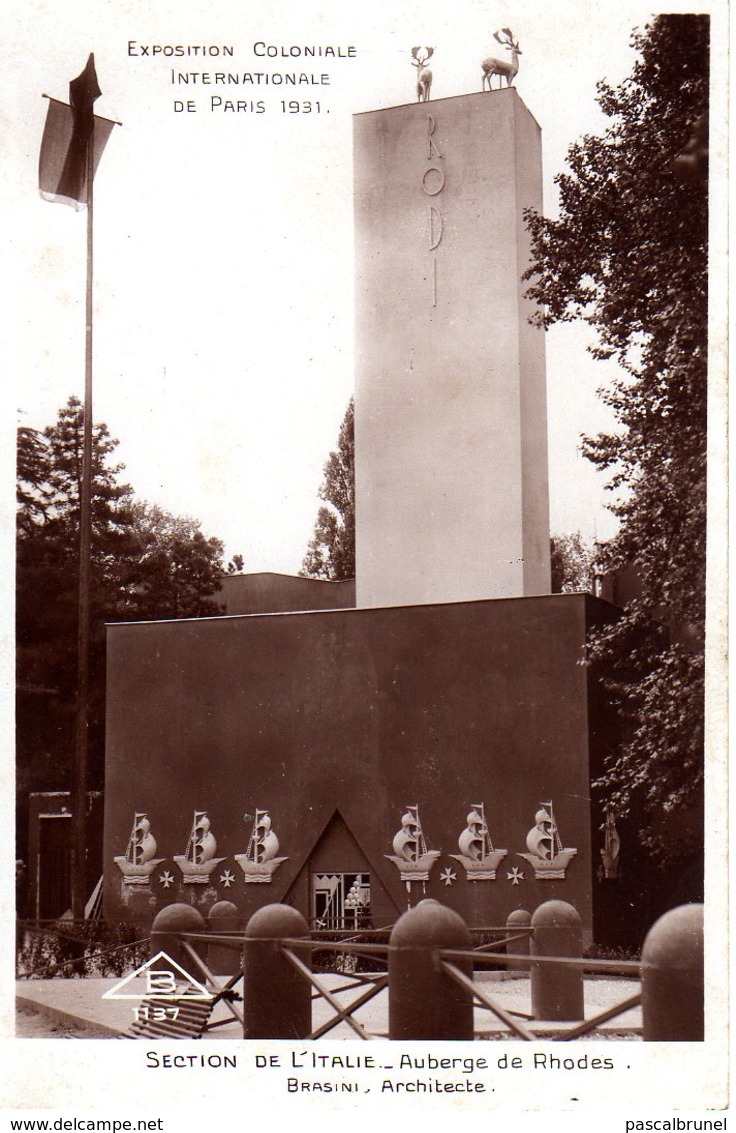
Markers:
(421, 56)
(504, 68)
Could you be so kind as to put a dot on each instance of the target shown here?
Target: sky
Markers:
(223, 355)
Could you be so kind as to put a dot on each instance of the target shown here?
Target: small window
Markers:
(341, 901)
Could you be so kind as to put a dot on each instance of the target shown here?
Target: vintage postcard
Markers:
(367, 380)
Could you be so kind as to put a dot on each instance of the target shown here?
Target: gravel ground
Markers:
(34, 1025)
(84, 999)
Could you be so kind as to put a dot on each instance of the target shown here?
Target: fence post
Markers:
(423, 1001)
(557, 993)
(672, 992)
(223, 960)
(519, 919)
(277, 1000)
(167, 924)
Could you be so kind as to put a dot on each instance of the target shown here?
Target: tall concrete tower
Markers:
(451, 413)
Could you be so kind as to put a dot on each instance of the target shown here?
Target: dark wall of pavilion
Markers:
(268, 593)
(363, 713)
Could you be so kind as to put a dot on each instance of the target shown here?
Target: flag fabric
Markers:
(62, 171)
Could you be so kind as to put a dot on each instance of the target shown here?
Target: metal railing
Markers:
(431, 990)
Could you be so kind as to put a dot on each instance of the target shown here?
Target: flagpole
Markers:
(66, 174)
(79, 811)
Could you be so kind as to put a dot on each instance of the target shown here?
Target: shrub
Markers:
(69, 949)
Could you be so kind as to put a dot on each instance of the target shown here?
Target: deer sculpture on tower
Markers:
(421, 56)
(504, 68)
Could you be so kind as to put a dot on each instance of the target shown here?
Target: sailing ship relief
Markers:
(546, 852)
(477, 854)
(260, 860)
(198, 861)
(140, 858)
(412, 858)
(611, 847)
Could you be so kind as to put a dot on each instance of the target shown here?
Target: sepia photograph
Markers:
(365, 668)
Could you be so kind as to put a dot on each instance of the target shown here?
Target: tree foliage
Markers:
(572, 561)
(176, 570)
(49, 480)
(331, 552)
(144, 564)
(628, 253)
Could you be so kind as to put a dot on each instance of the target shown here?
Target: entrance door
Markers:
(341, 901)
(54, 866)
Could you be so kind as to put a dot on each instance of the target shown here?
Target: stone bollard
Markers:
(557, 993)
(672, 991)
(519, 919)
(170, 921)
(222, 959)
(424, 1002)
(277, 1000)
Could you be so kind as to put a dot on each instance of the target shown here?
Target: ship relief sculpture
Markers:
(198, 861)
(140, 858)
(611, 848)
(412, 858)
(477, 854)
(260, 860)
(546, 852)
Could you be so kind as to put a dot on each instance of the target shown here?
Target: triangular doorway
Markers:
(340, 886)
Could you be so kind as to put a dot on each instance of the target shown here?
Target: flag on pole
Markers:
(62, 169)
